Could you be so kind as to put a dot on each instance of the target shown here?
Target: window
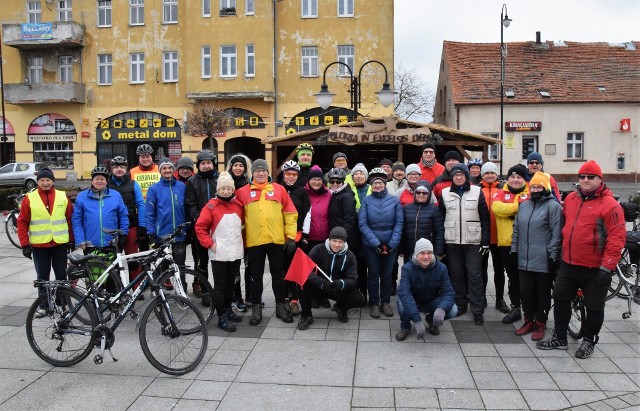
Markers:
(345, 55)
(105, 69)
(66, 69)
(136, 12)
(228, 58)
(227, 4)
(494, 149)
(57, 155)
(169, 11)
(309, 8)
(206, 8)
(34, 12)
(345, 8)
(35, 69)
(250, 63)
(104, 13)
(206, 62)
(310, 61)
(136, 68)
(575, 142)
(64, 10)
(249, 7)
(170, 66)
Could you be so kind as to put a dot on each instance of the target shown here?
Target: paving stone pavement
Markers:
(357, 365)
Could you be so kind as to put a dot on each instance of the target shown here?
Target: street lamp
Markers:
(386, 95)
(504, 22)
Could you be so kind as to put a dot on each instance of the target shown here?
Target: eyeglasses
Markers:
(422, 193)
(429, 151)
(586, 176)
(261, 172)
(290, 174)
(535, 163)
(335, 182)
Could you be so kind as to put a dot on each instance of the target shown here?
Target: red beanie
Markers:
(591, 167)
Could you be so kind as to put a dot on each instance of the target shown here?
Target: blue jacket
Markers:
(165, 208)
(422, 221)
(420, 286)
(380, 220)
(91, 214)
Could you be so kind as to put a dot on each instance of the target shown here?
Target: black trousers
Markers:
(362, 275)
(498, 271)
(223, 276)
(257, 255)
(46, 258)
(344, 299)
(290, 286)
(535, 292)
(513, 274)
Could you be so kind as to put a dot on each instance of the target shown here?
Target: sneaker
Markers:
(528, 327)
(433, 330)
(282, 313)
(304, 323)
(478, 319)
(553, 343)
(402, 334)
(240, 305)
(342, 314)
(256, 314)
(40, 313)
(375, 311)
(586, 348)
(167, 285)
(514, 315)
(295, 308)
(502, 306)
(386, 310)
(197, 290)
(324, 303)
(225, 325)
(233, 317)
(206, 299)
(539, 331)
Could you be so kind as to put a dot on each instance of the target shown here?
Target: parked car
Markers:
(20, 174)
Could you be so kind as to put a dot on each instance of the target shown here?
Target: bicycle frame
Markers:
(629, 286)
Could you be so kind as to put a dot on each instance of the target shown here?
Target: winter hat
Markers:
(385, 161)
(489, 167)
(535, 156)
(259, 164)
(540, 179)
(377, 174)
(165, 161)
(46, 173)
(422, 185)
(338, 233)
(185, 162)
(398, 165)
(518, 169)
(238, 159)
(225, 180)
(413, 168)
(590, 167)
(460, 168)
(339, 155)
(422, 245)
(362, 168)
(453, 155)
(428, 145)
(316, 172)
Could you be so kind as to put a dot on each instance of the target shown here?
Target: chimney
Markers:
(537, 37)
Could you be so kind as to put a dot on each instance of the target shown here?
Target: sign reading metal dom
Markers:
(138, 126)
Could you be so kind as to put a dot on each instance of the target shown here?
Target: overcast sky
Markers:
(422, 25)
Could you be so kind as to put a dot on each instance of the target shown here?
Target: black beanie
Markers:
(385, 161)
(428, 145)
(46, 173)
(518, 169)
(338, 233)
(239, 159)
(453, 155)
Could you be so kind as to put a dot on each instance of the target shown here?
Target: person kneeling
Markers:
(424, 287)
(334, 258)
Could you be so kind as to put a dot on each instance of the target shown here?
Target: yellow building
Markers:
(86, 80)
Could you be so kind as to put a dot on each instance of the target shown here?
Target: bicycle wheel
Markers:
(189, 277)
(62, 343)
(173, 350)
(11, 227)
(577, 323)
(616, 285)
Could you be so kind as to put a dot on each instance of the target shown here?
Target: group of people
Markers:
(444, 219)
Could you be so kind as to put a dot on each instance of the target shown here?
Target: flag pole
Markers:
(323, 273)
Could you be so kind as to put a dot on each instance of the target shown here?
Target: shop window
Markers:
(575, 145)
(58, 155)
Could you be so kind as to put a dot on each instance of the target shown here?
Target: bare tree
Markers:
(207, 119)
(414, 99)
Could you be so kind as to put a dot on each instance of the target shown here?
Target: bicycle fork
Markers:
(631, 290)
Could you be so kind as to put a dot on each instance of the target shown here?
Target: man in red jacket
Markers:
(593, 235)
(429, 166)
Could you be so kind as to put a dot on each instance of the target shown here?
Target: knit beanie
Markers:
(489, 167)
(362, 168)
(339, 155)
(46, 173)
(338, 233)
(238, 159)
(535, 156)
(428, 145)
(385, 161)
(165, 161)
(185, 162)
(398, 165)
(591, 167)
(453, 155)
(518, 169)
(259, 164)
(460, 168)
(540, 179)
(413, 168)
(422, 245)
(316, 172)
(225, 180)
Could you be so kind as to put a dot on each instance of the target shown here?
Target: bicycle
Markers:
(577, 322)
(174, 339)
(11, 218)
(624, 282)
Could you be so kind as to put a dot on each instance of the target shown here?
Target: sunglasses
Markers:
(535, 163)
(586, 176)
(335, 182)
(422, 193)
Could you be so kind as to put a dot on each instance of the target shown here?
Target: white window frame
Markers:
(35, 70)
(136, 12)
(309, 9)
(309, 67)
(228, 61)
(249, 7)
(34, 12)
(136, 68)
(493, 150)
(206, 8)
(57, 154)
(105, 70)
(344, 6)
(227, 4)
(169, 11)
(575, 141)
(170, 67)
(104, 13)
(250, 60)
(346, 55)
(65, 70)
(65, 10)
(206, 61)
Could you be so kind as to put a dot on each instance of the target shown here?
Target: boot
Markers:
(282, 313)
(514, 315)
(225, 325)
(231, 316)
(295, 308)
(539, 331)
(197, 290)
(502, 306)
(256, 314)
(528, 327)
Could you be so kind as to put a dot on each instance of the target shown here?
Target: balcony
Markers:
(63, 34)
(44, 93)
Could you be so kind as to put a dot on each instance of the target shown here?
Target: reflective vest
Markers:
(145, 178)
(45, 227)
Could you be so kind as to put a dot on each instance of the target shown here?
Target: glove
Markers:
(153, 241)
(142, 232)
(484, 250)
(420, 330)
(71, 246)
(290, 246)
(382, 249)
(337, 286)
(513, 256)
(122, 241)
(438, 317)
(327, 287)
(26, 251)
(603, 278)
(553, 264)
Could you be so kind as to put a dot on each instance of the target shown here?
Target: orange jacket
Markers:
(489, 191)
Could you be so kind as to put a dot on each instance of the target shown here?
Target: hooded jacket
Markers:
(422, 220)
(243, 180)
(340, 266)
(342, 211)
(94, 211)
(221, 222)
(165, 208)
(199, 191)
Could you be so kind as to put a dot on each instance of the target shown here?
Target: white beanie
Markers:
(422, 245)
(488, 167)
(225, 180)
(360, 167)
(413, 168)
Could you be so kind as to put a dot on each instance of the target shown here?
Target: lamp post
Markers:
(504, 22)
(386, 95)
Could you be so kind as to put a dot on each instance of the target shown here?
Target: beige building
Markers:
(86, 80)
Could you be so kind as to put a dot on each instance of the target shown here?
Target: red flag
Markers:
(300, 268)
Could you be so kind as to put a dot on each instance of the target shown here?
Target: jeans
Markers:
(405, 320)
(465, 271)
(379, 276)
(257, 254)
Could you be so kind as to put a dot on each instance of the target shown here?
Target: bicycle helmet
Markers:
(100, 171)
(377, 173)
(304, 146)
(119, 161)
(144, 149)
(474, 161)
(290, 165)
(206, 155)
(338, 174)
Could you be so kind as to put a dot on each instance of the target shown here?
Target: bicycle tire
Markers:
(53, 342)
(577, 323)
(625, 270)
(11, 227)
(174, 353)
(616, 285)
(89, 272)
(207, 312)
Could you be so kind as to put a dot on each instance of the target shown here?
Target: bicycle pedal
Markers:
(97, 359)
(133, 315)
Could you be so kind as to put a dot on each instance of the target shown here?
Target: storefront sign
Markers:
(51, 127)
(317, 117)
(523, 125)
(42, 138)
(37, 31)
(351, 136)
(240, 118)
(118, 129)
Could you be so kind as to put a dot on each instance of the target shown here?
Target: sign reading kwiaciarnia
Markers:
(118, 130)
(356, 135)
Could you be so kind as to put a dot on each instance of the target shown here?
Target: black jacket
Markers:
(339, 266)
(301, 200)
(342, 212)
(199, 191)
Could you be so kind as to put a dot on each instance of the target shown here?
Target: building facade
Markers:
(86, 80)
